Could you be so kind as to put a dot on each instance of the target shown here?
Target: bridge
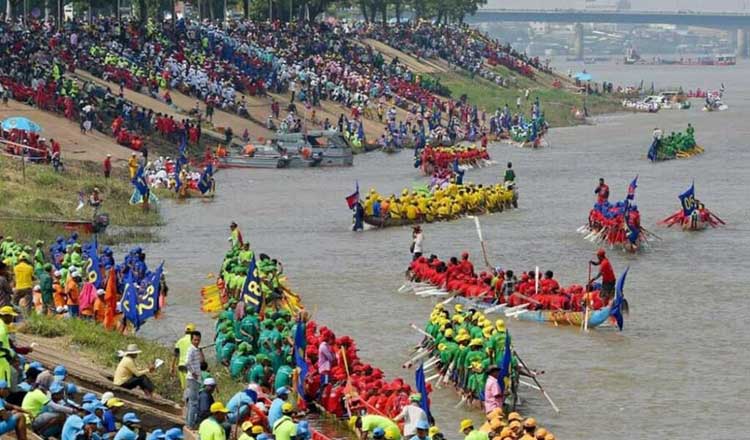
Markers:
(718, 20)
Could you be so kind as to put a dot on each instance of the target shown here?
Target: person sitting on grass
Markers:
(128, 376)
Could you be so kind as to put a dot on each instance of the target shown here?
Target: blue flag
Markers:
(139, 182)
(300, 344)
(421, 386)
(251, 290)
(687, 201)
(177, 181)
(505, 363)
(148, 301)
(182, 157)
(204, 185)
(617, 303)
(631, 188)
(93, 268)
(361, 131)
(129, 301)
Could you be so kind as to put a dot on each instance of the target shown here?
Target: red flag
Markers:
(353, 198)
(110, 300)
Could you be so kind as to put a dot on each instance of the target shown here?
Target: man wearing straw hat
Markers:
(128, 376)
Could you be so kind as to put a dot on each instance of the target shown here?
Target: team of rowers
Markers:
(438, 158)
(540, 292)
(261, 348)
(444, 203)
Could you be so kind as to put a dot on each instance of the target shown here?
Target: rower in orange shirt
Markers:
(72, 291)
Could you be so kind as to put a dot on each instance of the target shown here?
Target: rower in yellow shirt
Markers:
(396, 209)
(411, 211)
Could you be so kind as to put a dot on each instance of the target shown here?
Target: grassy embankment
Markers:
(556, 103)
(100, 346)
(45, 194)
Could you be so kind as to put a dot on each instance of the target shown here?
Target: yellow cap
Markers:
(514, 416)
(465, 424)
(475, 341)
(449, 333)
(286, 407)
(540, 433)
(7, 311)
(500, 325)
(495, 424)
(433, 430)
(114, 403)
(506, 432)
(189, 327)
(390, 435)
(495, 413)
(218, 407)
(530, 423)
(515, 424)
(246, 425)
(458, 308)
(257, 429)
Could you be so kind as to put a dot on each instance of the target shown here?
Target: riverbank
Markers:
(34, 192)
(557, 103)
(79, 341)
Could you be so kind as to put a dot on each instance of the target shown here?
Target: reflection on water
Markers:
(680, 369)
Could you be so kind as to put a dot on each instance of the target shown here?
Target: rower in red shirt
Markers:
(549, 284)
(607, 275)
(466, 266)
(602, 191)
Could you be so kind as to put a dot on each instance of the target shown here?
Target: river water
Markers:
(681, 367)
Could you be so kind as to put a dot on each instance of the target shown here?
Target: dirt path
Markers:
(75, 145)
(416, 65)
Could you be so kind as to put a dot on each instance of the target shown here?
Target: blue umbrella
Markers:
(21, 123)
(583, 76)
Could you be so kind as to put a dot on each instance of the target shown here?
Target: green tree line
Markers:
(441, 11)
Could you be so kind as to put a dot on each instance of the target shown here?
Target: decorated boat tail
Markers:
(714, 101)
(444, 202)
(674, 146)
(694, 216)
(534, 297)
(435, 159)
(252, 303)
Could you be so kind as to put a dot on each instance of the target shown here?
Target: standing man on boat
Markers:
(602, 191)
(412, 415)
(236, 236)
(326, 361)
(417, 238)
(359, 215)
(510, 175)
(607, 274)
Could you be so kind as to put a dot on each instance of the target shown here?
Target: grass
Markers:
(101, 346)
(556, 103)
(44, 194)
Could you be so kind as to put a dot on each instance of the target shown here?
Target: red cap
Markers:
(600, 253)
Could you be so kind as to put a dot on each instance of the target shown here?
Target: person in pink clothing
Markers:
(326, 360)
(493, 395)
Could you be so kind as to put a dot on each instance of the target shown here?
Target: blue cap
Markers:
(422, 424)
(155, 434)
(378, 432)
(282, 390)
(56, 387)
(130, 418)
(174, 434)
(60, 371)
(72, 389)
(90, 407)
(263, 436)
(89, 397)
(3, 384)
(36, 365)
(91, 419)
(303, 427)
